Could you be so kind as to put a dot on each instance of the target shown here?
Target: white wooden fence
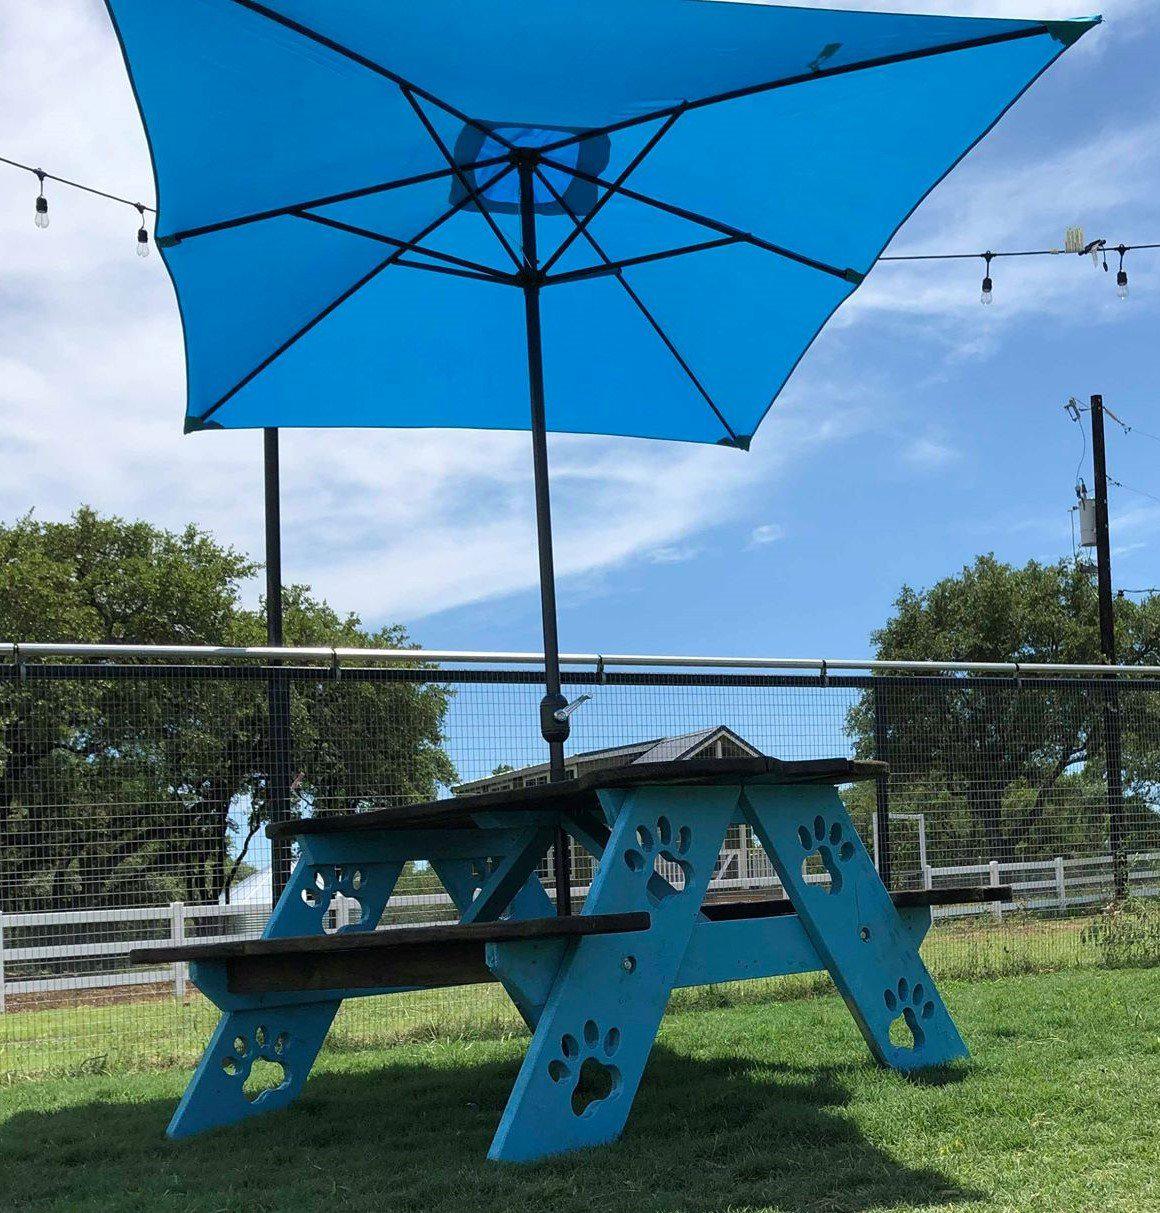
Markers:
(1058, 885)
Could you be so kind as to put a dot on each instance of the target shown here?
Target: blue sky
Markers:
(921, 430)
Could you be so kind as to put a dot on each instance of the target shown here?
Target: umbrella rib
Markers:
(472, 191)
(627, 172)
(354, 56)
(824, 73)
(279, 212)
(644, 310)
(480, 269)
(614, 267)
(726, 229)
(353, 289)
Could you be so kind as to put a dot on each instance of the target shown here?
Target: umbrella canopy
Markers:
(340, 182)
(413, 212)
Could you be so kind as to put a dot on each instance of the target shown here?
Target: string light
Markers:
(1074, 242)
(142, 235)
(1122, 276)
(988, 296)
(41, 216)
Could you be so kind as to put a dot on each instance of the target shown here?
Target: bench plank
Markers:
(734, 909)
(398, 938)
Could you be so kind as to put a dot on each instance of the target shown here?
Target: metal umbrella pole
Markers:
(277, 687)
(554, 725)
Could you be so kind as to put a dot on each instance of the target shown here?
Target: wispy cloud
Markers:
(407, 523)
(928, 454)
(763, 535)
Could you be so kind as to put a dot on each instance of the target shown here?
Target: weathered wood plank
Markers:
(579, 795)
(734, 909)
(399, 939)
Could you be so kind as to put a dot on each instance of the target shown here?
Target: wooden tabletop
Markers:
(579, 795)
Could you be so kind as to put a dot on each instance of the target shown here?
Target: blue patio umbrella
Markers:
(415, 212)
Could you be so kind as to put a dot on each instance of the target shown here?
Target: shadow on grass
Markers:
(705, 1135)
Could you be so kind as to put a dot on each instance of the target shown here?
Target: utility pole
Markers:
(1112, 746)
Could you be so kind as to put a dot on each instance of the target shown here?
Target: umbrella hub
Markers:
(569, 148)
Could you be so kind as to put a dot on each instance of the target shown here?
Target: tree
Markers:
(130, 787)
(1009, 755)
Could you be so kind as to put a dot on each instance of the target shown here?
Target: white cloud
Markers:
(395, 523)
(769, 532)
(928, 454)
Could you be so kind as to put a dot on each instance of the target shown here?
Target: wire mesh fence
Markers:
(134, 796)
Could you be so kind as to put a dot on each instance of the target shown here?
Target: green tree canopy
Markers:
(1023, 763)
(140, 788)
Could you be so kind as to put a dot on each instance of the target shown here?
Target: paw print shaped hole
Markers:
(909, 1007)
(331, 895)
(661, 851)
(583, 1067)
(256, 1062)
(828, 849)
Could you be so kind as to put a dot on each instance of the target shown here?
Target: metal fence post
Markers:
(996, 907)
(882, 790)
(1060, 890)
(743, 855)
(1, 962)
(177, 938)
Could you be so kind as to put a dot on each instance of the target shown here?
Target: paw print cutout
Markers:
(323, 893)
(661, 852)
(258, 1063)
(910, 1004)
(827, 849)
(584, 1066)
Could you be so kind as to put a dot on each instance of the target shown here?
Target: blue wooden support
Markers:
(487, 872)
(750, 948)
(588, 1054)
(492, 884)
(288, 1035)
(852, 923)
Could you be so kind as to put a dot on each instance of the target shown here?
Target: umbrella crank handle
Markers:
(562, 714)
(555, 711)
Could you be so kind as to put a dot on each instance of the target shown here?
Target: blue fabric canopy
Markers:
(339, 193)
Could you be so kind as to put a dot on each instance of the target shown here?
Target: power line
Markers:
(1128, 488)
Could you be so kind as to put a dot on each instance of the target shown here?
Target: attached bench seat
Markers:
(577, 797)
(413, 957)
(731, 907)
(433, 957)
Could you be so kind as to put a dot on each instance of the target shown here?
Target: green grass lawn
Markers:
(89, 1038)
(771, 1106)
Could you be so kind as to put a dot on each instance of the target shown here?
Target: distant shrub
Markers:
(1127, 934)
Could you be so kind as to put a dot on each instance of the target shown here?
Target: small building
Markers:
(720, 741)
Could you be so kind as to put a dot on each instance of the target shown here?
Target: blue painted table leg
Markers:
(288, 1035)
(491, 885)
(590, 1047)
(853, 924)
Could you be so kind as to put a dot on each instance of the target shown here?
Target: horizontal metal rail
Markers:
(19, 652)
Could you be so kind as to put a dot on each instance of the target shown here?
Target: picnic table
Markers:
(592, 986)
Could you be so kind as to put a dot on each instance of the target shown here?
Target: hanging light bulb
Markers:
(988, 295)
(1122, 276)
(41, 216)
(142, 235)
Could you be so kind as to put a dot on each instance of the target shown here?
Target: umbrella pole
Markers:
(277, 688)
(554, 730)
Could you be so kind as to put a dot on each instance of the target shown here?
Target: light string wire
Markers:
(1097, 249)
